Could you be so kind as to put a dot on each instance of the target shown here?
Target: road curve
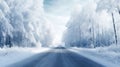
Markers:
(57, 58)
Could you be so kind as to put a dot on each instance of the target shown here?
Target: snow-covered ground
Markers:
(108, 56)
(11, 55)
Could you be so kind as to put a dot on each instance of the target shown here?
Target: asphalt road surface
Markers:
(57, 57)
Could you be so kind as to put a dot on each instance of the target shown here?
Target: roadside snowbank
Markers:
(11, 55)
(108, 56)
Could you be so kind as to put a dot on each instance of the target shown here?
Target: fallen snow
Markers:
(108, 56)
(11, 55)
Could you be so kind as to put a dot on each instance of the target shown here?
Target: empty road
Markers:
(57, 57)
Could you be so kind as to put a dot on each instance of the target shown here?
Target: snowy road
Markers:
(57, 57)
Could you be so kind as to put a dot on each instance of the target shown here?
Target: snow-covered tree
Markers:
(111, 6)
(87, 28)
(23, 23)
(80, 29)
(5, 30)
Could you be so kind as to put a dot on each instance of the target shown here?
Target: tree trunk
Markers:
(93, 35)
(118, 9)
(114, 26)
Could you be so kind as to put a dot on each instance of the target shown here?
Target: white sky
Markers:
(58, 23)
